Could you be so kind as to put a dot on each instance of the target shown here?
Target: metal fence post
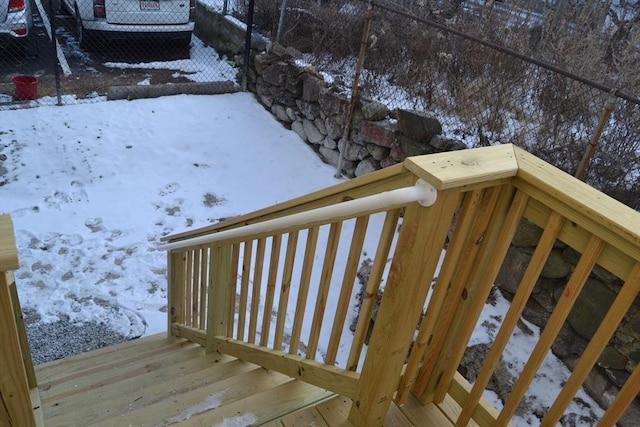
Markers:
(581, 172)
(247, 46)
(354, 88)
(54, 48)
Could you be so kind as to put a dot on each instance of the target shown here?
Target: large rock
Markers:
(314, 136)
(378, 152)
(380, 133)
(298, 128)
(590, 308)
(334, 126)
(555, 267)
(275, 73)
(527, 235)
(374, 111)
(366, 166)
(440, 143)
(310, 110)
(418, 125)
(513, 268)
(352, 151)
(407, 147)
(311, 87)
(333, 103)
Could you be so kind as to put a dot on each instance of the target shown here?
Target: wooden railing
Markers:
(256, 296)
(18, 379)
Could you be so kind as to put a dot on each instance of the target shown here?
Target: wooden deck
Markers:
(159, 381)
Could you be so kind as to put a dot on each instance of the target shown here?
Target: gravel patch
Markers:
(52, 341)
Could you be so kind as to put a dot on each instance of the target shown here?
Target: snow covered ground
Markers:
(92, 188)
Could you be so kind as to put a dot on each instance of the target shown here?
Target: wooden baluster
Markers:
(529, 280)
(233, 279)
(551, 330)
(370, 295)
(274, 261)
(594, 349)
(303, 289)
(285, 289)
(255, 295)
(349, 278)
(323, 288)
(244, 289)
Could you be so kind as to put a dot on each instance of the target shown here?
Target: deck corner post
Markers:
(420, 244)
(175, 288)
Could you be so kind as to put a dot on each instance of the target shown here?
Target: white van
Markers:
(126, 19)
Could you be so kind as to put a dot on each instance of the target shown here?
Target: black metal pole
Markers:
(247, 46)
(54, 44)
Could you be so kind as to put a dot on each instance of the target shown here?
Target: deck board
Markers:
(159, 381)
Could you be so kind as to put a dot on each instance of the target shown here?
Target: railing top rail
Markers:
(474, 168)
(609, 219)
(8, 250)
(422, 192)
(349, 189)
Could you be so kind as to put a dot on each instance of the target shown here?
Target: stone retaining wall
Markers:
(316, 110)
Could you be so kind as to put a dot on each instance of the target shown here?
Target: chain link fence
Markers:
(99, 44)
(491, 72)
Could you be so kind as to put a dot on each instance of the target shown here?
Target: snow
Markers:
(92, 188)
(210, 402)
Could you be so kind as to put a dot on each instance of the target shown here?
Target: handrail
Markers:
(421, 192)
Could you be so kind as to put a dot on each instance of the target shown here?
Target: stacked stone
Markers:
(317, 111)
(621, 355)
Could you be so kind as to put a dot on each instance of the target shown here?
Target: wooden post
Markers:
(221, 285)
(22, 332)
(15, 400)
(417, 253)
(175, 290)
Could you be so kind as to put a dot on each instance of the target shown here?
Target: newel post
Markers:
(219, 291)
(176, 264)
(15, 400)
(420, 243)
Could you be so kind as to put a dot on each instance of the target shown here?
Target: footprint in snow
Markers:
(57, 199)
(94, 224)
(172, 187)
(78, 193)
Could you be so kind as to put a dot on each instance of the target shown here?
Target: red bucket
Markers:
(26, 87)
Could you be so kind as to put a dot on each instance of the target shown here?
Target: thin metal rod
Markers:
(581, 172)
(354, 89)
(247, 46)
(422, 192)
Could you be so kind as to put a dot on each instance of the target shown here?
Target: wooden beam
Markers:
(14, 388)
(603, 216)
(8, 249)
(328, 377)
(22, 332)
(219, 290)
